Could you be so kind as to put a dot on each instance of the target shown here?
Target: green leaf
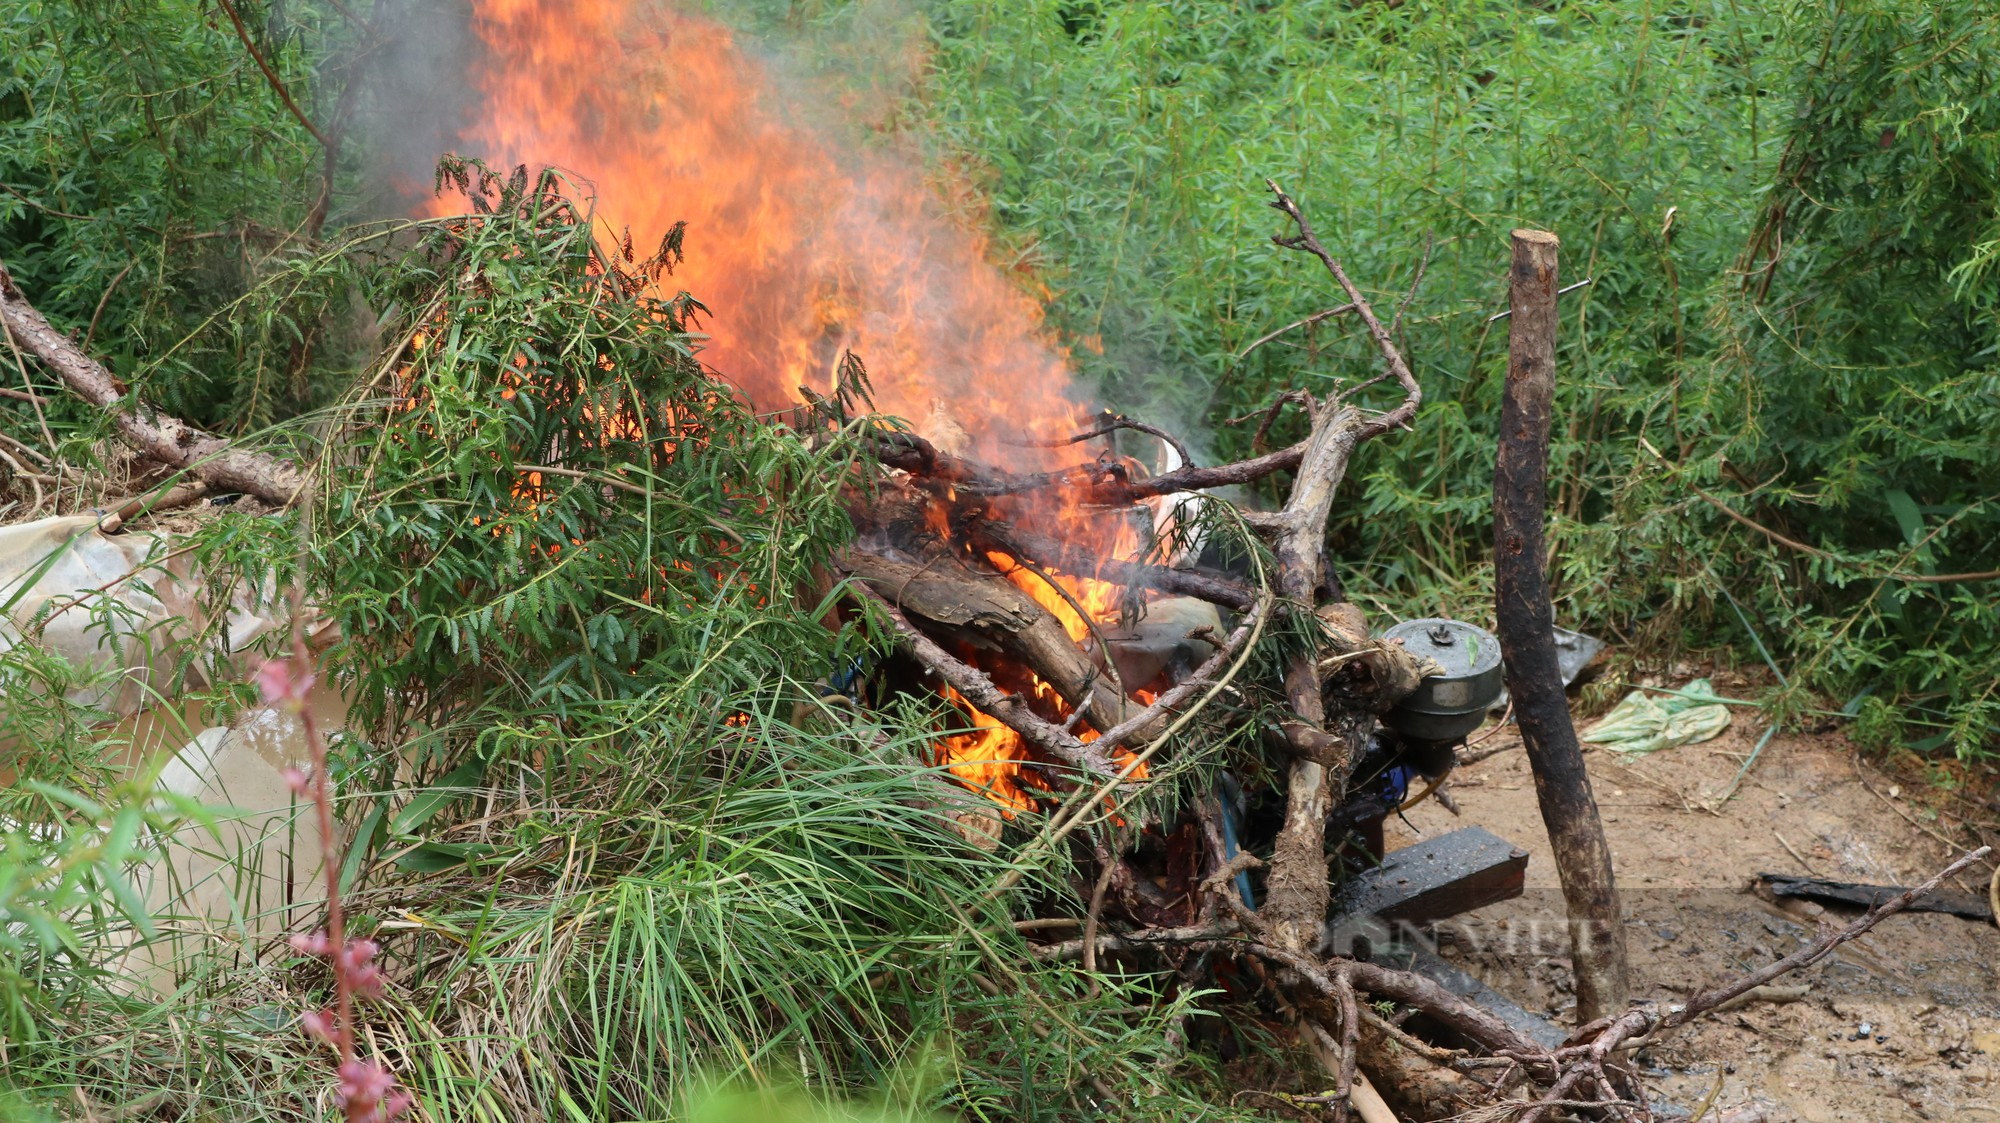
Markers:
(1908, 517)
(461, 781)
(435, 857)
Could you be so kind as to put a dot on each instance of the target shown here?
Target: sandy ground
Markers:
(1901, 1024)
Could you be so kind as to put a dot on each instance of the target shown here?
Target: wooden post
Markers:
(1520, 494)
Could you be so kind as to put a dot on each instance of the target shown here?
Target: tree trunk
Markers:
(1520, 487)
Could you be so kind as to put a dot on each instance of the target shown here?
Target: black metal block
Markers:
(1436, 878)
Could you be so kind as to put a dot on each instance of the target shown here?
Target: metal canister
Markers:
(1448, 705)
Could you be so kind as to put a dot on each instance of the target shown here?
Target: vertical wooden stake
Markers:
(1520, 495)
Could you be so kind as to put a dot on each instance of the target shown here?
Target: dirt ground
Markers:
(1903, 1024)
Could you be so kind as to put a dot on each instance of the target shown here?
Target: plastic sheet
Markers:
(120, 608)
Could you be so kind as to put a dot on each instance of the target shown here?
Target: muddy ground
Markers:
(1903, 1024)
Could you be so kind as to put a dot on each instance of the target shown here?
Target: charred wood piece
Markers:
(1064, 557)
(986, 609)
(1967, 905)
(980, 691)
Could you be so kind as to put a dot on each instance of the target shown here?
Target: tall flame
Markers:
(801, 250)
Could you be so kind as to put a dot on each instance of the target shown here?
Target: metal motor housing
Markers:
(1448, 705)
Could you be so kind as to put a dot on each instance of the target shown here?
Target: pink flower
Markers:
(357, 963)
(364, 1083)
(315, 944)
(299, 782)
(283, 684)
(317, 1023)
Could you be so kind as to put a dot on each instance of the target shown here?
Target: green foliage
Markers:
(150, 178)
(547, 497)
(70, 862)
(1844, 397)
(616, 845)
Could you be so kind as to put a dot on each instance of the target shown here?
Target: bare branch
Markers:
(1112, 424)
(1307, 241)
(1309, 321)
(169, 440)
(1819, 949)
(1204, 676)
(1416, 281)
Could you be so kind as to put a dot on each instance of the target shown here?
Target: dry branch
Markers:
(169, 440)
(1111, 424)
(1593, 1045)
(1105, 484)
(1298, 893)
(1413, 394)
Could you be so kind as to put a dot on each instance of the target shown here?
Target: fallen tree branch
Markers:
(989, 609)
(1593, 1044)
(1297, 892)
(1104, 484)
(172, 442)
(1309, 321)
(1405, 988)
(1297, 885)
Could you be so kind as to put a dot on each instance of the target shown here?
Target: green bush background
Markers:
(1787, 212)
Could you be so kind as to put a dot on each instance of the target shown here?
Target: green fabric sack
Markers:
(1644, 722)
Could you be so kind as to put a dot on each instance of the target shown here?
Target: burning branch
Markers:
(980, 691)
(951, 594)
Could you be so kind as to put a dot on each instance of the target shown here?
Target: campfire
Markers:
(1041, 546)
(1065, 585)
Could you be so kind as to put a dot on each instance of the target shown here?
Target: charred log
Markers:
(984, 608)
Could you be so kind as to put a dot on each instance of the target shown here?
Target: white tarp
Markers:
(112, 603)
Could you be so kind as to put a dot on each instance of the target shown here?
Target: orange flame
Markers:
(802, 251)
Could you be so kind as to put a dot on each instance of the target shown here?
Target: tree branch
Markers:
(1010, 709)
(169, 440)
(1413, 395)
(1215, 588)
